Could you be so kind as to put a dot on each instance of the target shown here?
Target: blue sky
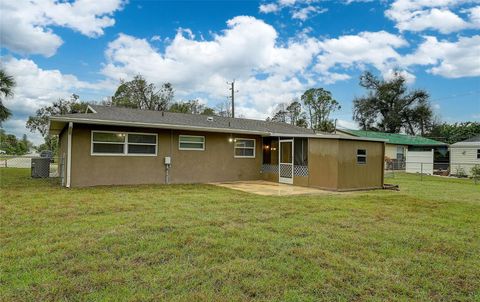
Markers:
(274, 49)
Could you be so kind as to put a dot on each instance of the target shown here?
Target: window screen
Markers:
(190, 142)
(361, 156)
(123, 143)
(108, 143)
(244, 147)
(300, 151)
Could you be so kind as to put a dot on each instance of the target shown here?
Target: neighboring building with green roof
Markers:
(397, 144)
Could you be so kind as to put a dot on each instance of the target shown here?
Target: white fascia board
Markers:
(91, 109)
(156, 125)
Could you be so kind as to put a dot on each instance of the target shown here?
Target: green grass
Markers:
(204, 243)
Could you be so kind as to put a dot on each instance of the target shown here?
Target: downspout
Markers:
(69, 154)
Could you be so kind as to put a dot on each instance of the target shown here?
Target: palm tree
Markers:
(6, 90)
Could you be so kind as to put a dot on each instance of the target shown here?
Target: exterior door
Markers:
(285, 161)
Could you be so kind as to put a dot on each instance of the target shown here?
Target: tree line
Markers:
(388, 106)
(10, 144)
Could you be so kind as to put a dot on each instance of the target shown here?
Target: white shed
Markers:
(464, 156)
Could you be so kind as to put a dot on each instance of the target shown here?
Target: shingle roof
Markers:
(395, 138)
(128, 115)
(471, 142)
(472, 139)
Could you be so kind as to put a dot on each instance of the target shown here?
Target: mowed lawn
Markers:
(205, 243)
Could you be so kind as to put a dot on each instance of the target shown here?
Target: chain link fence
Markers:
(47, 168)
(458, 170)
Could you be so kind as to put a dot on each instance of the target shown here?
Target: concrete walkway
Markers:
(262, 187)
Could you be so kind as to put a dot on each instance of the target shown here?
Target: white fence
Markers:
(419, 162)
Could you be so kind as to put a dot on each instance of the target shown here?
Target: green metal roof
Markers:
(395, 138)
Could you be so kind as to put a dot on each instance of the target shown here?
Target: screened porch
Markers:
(285, 158)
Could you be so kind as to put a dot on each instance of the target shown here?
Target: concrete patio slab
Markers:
(262, 187)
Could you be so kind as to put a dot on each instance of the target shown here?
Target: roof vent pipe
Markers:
(210, 118)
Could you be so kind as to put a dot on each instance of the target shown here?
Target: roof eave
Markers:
(335, 136)
(155, 125)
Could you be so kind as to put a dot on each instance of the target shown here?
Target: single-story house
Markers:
(397, 145)
(464, 156)
(117, 146)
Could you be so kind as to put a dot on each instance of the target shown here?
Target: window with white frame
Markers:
(361, 156)
(400, 152)
(191, 142)
(123, 143)
(244, 148)
(478, 153)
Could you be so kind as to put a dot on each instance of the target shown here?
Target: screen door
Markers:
(285, 161)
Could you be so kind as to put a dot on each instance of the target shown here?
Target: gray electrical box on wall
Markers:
(168, 160)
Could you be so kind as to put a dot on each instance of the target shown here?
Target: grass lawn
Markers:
(204, 243)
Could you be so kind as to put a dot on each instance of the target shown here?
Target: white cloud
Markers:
(474, 16)
(448, 59)
(357, 51)
(348, 2)
(25, 26)
(16, 126)
(269, 8)
(37, 87)
(439, 15)
(305, 13)
(299, 9)
(248, 51)
(345, 124)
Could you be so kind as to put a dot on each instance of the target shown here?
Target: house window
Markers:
(478, 154)
(123, 143)
(244, 148)
(142, 143)
(191, 142)
(400, 152)
(361, 156)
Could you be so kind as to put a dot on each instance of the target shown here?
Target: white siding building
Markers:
(464, 156)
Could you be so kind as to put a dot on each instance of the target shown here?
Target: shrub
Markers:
(475, 173)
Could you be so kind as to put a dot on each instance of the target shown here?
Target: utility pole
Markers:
(232, 89)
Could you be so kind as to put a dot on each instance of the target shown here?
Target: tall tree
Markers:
(280, 114)
(192, 106)
(291, 113)
(140, 94)
(39, 122)
(294, 112)
(7, 83)
(11, 145)
(452, 133)
(320, 104)
(390, 107)
(225, 108)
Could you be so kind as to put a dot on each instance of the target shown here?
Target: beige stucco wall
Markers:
(391, 150)
(270, 176)
(352, 175)
(302, 181)
(216, 163)
(323, 163)
(332, 164)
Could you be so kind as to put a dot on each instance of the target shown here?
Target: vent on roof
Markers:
(210, 118)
